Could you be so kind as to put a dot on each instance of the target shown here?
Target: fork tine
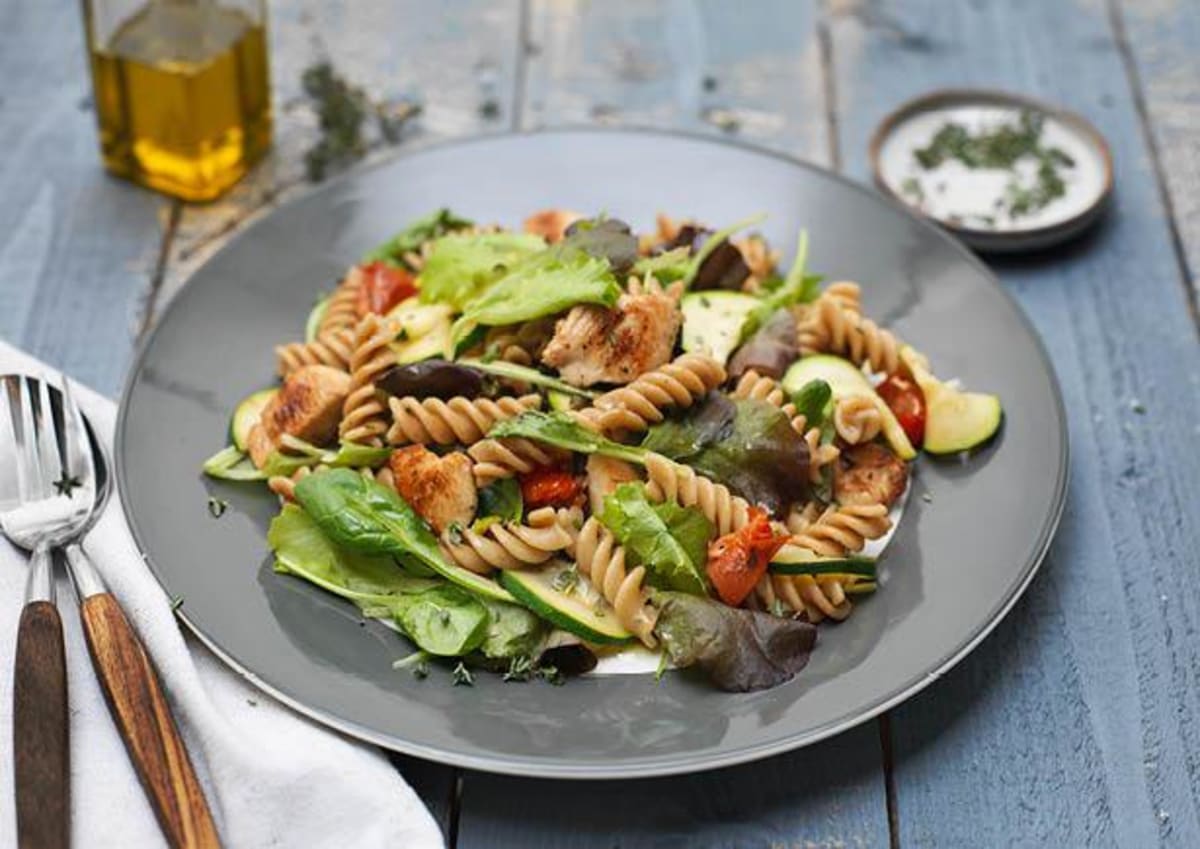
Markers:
(27, 462)
(77, 457)
(49, 460)
(10, 472)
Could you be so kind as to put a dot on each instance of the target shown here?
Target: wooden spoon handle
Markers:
(140, 709)
(41, 750)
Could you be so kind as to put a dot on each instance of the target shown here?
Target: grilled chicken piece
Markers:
(441, 489)
(869, 474)
(596, 345)
(604, 475)
(307, 406)
(550, 224)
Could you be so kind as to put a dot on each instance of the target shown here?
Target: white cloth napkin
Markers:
(273, 778)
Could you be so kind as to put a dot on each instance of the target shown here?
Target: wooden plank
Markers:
(752, 72)
(458, 62)
(77, 248)
(646, 64)
(829, 795)
(1159, 40)
(1074, 724)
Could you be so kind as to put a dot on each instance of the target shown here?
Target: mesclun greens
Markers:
(797, 287)
(524, 374)
(739, 650)
(748, 445)
(1001, 147)
(409, 240)
(669, 540)
(459, 266)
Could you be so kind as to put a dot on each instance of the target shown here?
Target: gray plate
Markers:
(955, 567)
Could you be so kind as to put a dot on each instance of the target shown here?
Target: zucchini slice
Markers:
(566, 610)
(845, 379)
(793, 560)
(954, 420)
(246, 415)
(712, 321)
(314, 319)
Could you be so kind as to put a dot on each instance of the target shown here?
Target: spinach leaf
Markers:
(757, 454)
(512, 631)
(501, 500)
(430, 226)
(544, 284)
(740, 650)
(366, 517)
(561, 431)
(459, 267)
(670, 543)
(812, 400)
(444, 620)
(301, 549)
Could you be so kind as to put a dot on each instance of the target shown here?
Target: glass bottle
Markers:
(182, 91)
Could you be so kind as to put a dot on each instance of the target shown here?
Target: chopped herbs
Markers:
(520, 669)
(999, 147)
(566, 580)
(1138, 407)
(664, 662)
(551, 675)
(417, 658)
(462, 676)
(217, 506)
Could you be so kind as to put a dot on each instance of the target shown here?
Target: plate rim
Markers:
(662, 765)
(1008, 241)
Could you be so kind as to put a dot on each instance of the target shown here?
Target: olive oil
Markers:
(183, 97)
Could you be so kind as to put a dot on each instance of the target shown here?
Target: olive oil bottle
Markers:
(182, 91)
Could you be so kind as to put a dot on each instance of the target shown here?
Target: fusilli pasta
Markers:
(508, 456)
(857, 419)
(341, 312)
(635, 407)
(831, 327)
(334, 348)
(602, 560)
(844, 530)
(509, 545)
(457, 420)
(670, 481)
(364, 415)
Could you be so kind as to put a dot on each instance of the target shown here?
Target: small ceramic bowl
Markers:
(975, 203)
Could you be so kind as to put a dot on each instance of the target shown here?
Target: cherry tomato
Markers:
(908, 403)
(738, 560)
(384, 286)
(548, 486)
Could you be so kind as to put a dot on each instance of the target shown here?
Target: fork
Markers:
(38, 510)
(46, 448)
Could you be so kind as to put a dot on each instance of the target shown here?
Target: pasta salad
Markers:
(530, 450)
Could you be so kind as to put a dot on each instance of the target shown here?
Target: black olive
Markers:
(432, 379)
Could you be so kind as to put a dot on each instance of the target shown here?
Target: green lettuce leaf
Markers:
(512, 631)
(667, 266)
(669, 540)
(544, 284)
(459, 267)
(739, 650)
(562, 431)
(437, 223)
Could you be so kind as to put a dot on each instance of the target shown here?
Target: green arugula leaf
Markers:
(798, 287)
(669, 540)
(562, 431)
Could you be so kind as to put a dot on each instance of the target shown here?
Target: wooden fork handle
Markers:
(41, 752)
(139, 708)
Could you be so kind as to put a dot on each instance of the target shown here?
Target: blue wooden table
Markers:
(1077, 723)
